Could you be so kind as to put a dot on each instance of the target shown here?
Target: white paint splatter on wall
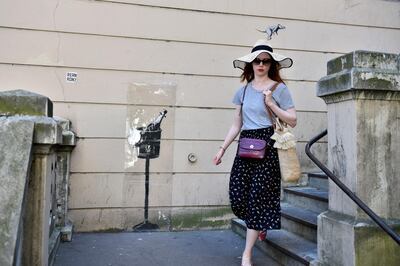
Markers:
(143, 99)
(133, 137)
(160, 92)
(132, 151)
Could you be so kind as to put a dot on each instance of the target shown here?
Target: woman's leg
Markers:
(251, 238)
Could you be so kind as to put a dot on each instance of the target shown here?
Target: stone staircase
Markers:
(296, 242)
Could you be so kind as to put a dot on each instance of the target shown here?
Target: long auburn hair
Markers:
(273, 72)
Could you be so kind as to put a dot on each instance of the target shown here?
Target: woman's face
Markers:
(261, 64)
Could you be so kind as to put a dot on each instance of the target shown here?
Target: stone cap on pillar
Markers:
(361, 70)
(21, 102)
(68, 136)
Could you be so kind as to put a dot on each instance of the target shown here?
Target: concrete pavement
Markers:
(194, 248)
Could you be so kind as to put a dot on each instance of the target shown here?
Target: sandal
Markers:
(262, 235)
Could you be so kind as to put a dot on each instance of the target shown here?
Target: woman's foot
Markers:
(262, 235)
(246, 260)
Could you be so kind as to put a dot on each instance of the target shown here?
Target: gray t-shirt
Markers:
(254, 111)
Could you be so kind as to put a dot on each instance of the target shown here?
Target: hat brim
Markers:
(283, 61)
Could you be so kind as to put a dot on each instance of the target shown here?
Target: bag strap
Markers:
(275, 120)
(241, 104)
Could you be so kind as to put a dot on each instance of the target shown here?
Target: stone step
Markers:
(309, 198)
(299, 221)
(318, 180)
(283, 246)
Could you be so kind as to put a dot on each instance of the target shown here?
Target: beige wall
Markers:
(134, 58)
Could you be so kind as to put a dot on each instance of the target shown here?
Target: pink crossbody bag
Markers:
(249, 147)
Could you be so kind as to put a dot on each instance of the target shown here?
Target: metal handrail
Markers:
(346, 190)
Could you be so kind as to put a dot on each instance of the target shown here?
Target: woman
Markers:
(254, 187)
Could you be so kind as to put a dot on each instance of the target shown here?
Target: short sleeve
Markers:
(238, 97)
(283, 97)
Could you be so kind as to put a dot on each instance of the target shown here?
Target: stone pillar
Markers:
(362, 93)
(62, 178)
(37, 224)
(34, 166)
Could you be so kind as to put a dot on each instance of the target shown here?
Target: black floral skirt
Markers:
(255, 185)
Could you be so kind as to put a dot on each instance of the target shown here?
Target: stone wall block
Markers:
(64, 123)
(362, 92)
(34, 169)
(47, 131)
(68, 136)
(16, 139)
(21, 102)
(364, 59)
(366, 248)
(360, 70)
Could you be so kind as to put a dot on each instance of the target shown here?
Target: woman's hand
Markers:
(268, 97)
(288, 116)
(218, 156)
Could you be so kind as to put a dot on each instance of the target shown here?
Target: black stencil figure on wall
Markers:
(149, 148)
